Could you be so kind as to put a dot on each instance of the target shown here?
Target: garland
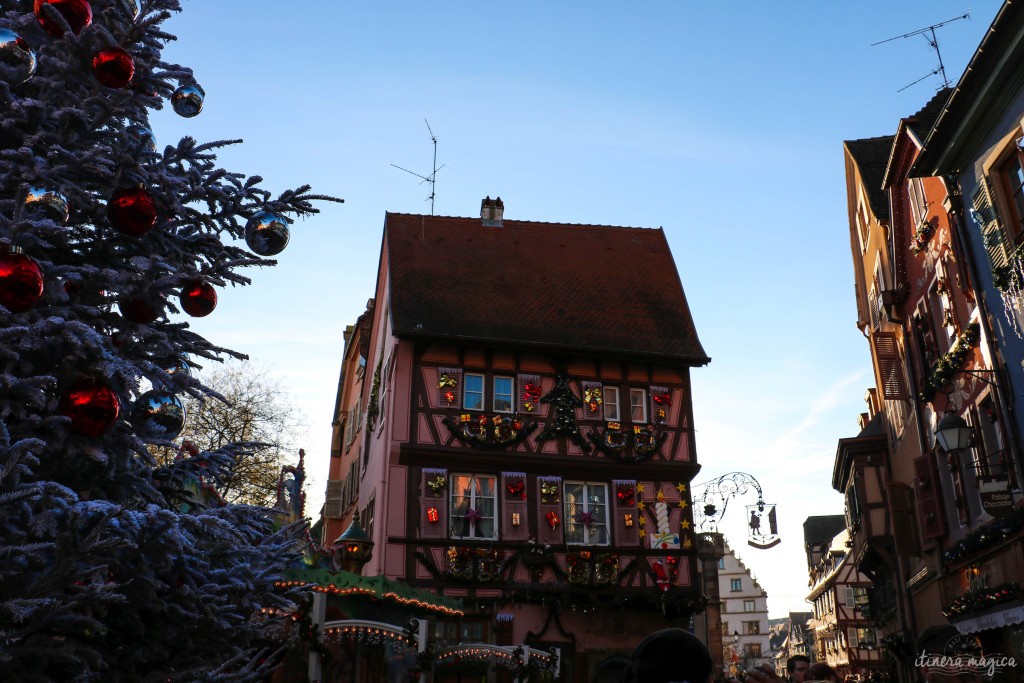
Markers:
(483, 431)
(586, 570)
(372, 410)
(980, 599)
(474, 564)
(924, 232)
(950, 362)
(986, 536)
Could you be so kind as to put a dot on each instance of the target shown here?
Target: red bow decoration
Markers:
(516, 489)
(625, 495)
(663, 399)
(552, 518)
(531, 392)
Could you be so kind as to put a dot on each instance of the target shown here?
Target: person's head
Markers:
(936, 642)
(796, 667)
(820, 671)
(668, 656)
(610, 670)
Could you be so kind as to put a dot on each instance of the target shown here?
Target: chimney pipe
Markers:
(492, 212)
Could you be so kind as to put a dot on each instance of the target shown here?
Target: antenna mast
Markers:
(432, 178)
(933, 42)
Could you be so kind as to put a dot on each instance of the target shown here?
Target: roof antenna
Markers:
(933, 42)
(432, 178)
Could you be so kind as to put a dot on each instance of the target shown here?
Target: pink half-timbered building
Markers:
(515, 427)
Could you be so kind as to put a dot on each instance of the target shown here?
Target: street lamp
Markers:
(354, 547)
(953, 434)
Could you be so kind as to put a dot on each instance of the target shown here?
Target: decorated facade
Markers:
(515, 427)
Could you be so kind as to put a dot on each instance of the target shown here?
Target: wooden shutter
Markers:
(984, 216)
(449, 396)
(545, 505)
(624, 535)
(929, 498)
(436, 498)
(334, 503)
(513, 507)
(851, 636)
(597, 413)
(905, 532)
(890, 367)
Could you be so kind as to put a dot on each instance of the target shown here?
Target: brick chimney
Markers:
(491, 212)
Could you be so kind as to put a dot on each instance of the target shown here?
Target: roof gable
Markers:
(589, 288)
(871, 156)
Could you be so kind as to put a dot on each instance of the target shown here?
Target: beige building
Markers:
(745, 633)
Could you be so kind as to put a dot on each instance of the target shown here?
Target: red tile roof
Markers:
(587, 288)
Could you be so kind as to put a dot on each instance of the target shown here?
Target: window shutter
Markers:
(549, 503)
(434, 497)
(929, 503)
(851, 636)
(890, 367)
(529, 387)
(334, 503)
(906, 535)
(992, 235)
(449, 387)
(661, 404)
(593, 401)
(624, 506)
(513, 525)
(850, 597)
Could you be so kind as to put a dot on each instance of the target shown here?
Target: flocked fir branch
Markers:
(112, 567)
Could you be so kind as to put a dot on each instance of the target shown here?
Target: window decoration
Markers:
(646, 441)
(552, 518)
(373, 408)
(516, 488)
(950, 362)
(549, 489)
(480, 565)
(589, 569)
(485, 431)
(625, 494)
(448, 386)
(433, 516)
(529, 395)
(627, 519)
(661, 401)
(922, 234)
(982, 598)
(473, 505)
(564, 423)
(516, 519)
(593, 400)
(437, 481)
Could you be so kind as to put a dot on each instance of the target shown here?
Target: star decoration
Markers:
(642, 520)
(683, 503)
(642, 533)
(687, 544)
(685, 524)
(661, 496)
(640, 505)
(639, 488)
(681, 488)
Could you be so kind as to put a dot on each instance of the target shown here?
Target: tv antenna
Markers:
(933, 43)
(432, 178)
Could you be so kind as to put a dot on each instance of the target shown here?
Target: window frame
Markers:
(466, 391)
(633, 405)
(752, 604)
(608, 393)
(452, 507)
(568, 518)
(735, 585)
(511, 394)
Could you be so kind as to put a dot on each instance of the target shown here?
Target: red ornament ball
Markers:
(92, 406)
(113, 67)
(138, 310)
(132, 211)
(78, 14)
(198, 299)
(21, 282)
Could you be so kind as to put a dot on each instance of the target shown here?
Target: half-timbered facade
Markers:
(525, 437)
(843, 637)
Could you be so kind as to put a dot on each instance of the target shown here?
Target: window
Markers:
(1013, 181)
(473, 392)
(611, 403)
(473, 505)
(751, 650)
(367, 516)
(586, 513)
(503, 392)
(721, 563)
(749, 606)
(638, 405)
(735, 585)
(861, 637)
(752, 628)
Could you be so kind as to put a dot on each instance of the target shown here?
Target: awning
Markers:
(344, 583)
(1009, 616)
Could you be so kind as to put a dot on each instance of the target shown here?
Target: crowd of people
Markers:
(674, 655)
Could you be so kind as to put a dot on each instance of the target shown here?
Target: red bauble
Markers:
(78, 14)
(198, 299)
(132, 211)
(113, 67)
(138, 311)
(92, 406)
(21, 282)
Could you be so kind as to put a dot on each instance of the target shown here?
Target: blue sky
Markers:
(721, 122)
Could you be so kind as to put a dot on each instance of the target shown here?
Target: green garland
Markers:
(1008, 277)
(980, 599)
(950, 362)
(373, 409)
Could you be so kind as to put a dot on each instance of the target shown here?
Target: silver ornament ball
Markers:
(178, 366)
(17, 60)
(42, 203)
(267, 233)
(158, 416)
(187, 101)
(147, 141)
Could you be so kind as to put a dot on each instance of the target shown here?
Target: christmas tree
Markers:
(113, 568)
